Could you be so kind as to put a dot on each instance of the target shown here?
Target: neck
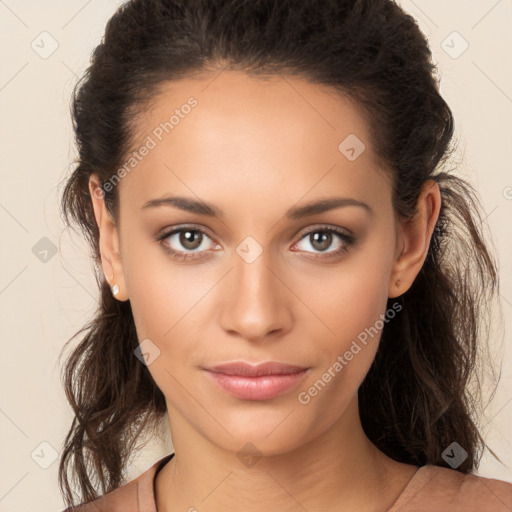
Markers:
(340, 470)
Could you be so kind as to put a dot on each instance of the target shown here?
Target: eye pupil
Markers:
(325, 239)
(189, 239)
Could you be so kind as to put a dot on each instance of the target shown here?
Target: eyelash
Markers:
(348, 241)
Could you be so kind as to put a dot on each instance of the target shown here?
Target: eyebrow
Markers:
(294, 213)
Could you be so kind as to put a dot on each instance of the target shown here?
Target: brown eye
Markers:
(187, 243)
(323, 238)
(190, 239)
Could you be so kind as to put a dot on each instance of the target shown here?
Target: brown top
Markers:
(431, 489)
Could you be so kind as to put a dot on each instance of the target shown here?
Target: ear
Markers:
(109, 239)
(413, 239)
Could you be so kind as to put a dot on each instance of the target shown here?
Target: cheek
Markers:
(164, 306)
(350, 297)
(352, 303)
(354, 314)
(161, 294)
(172, 307)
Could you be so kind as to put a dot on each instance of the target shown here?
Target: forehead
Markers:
(230, 131)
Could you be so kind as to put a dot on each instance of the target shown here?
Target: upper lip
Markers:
(249, 370)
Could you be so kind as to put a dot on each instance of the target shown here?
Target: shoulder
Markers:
(123, 498)
(434, 488)
(134, 496)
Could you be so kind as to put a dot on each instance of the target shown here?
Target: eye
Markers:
(191, 242)
(186, 243)
(323, 237)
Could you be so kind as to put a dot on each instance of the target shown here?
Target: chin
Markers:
(273, 434)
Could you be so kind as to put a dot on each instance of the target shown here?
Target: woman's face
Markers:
(255, 276)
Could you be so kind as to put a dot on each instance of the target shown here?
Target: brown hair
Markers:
(416, 398)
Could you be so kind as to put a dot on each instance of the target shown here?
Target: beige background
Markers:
(43, 303)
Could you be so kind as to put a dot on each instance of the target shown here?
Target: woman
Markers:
(285, 261)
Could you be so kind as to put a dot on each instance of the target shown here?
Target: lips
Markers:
(247, 370)
(256, 382)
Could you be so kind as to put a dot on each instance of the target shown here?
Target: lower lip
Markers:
(263, 387)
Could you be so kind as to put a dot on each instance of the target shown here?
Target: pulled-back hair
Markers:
(423, 389)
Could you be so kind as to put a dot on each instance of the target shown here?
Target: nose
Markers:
(258, 304)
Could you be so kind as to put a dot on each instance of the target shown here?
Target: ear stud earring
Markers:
(115, 287)
(397, 283)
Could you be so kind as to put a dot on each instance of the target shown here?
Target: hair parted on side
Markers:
(416, 398)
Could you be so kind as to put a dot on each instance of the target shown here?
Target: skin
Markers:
(255, 148)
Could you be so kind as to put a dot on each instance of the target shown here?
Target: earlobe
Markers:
(414, 238)
(108, 241)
